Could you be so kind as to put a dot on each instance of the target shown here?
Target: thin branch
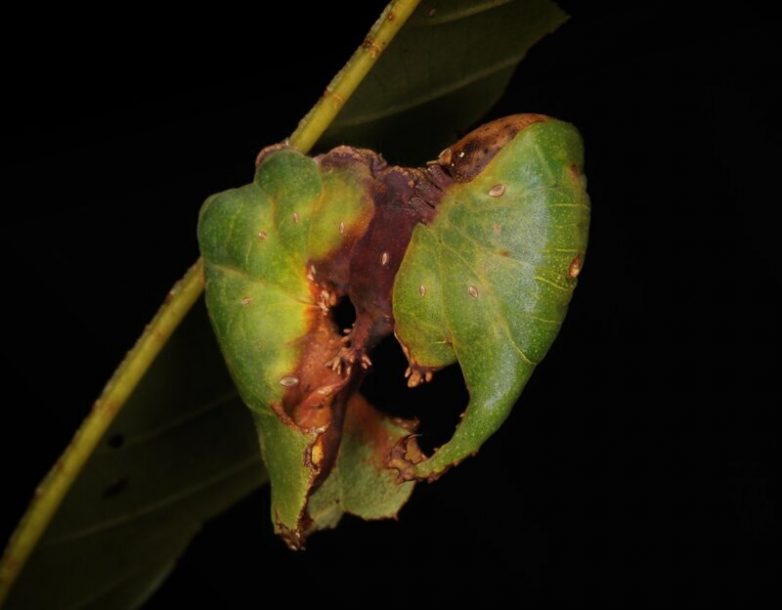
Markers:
(50, 493)
(349, 78)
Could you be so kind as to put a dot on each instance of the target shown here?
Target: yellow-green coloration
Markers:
(488, 282)
(257, 242)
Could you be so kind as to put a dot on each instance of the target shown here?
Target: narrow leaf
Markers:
(440, 75)
(153, 480)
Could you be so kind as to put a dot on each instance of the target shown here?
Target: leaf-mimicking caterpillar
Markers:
(470, 260)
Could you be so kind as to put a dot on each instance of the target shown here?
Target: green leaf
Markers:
(156, 477)
(440, 75)
(488, 282)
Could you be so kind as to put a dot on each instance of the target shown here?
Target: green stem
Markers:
(58, 481)
(349, 78)
(50, 493)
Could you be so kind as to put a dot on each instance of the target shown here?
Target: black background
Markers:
(639, 466)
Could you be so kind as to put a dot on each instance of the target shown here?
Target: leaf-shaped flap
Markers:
(488, 281)
(269, 307)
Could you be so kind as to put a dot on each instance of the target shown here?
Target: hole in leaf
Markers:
(437, 404)
(116, 487)
(343, 313)
(116, 441)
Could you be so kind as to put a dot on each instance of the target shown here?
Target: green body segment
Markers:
(488, 282)
(256, 242)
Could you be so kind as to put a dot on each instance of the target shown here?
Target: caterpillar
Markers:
(471, 260)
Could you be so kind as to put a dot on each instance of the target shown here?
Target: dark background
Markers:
(639, 466)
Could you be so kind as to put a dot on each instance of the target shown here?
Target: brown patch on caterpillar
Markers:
(402, 198)
(466, 159)
(365, 422)
(315, 395)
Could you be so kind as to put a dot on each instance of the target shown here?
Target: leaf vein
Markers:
(490, 291)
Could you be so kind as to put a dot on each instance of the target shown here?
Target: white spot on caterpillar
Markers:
(384, 259)
(473, 291)
(498, 190)
(263, 235)
(289, 381)
(422, 290)
(575, 267)
(295, 217)
(247, 300)
(341, 228)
